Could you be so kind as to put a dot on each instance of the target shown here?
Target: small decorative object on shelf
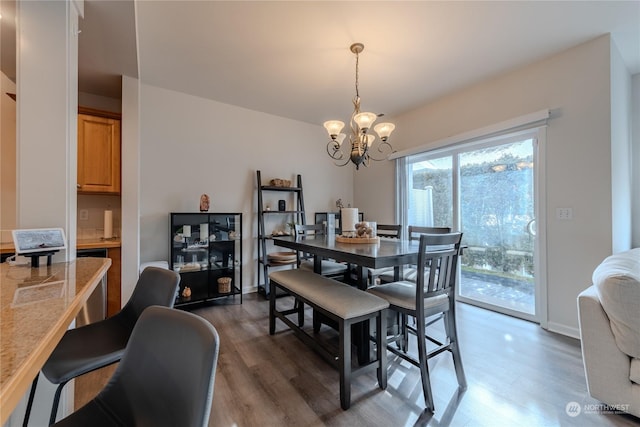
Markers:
(282, 205)
(204, 203)
(224, 285)
(186, 292)
(277, 182)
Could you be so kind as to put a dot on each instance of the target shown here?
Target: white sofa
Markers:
(609, 316)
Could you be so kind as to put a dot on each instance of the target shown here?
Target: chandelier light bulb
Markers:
(333, 127)
(370, 138)
(364, 120)
(384, 130)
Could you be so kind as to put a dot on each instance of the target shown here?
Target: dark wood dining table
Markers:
(386, 253)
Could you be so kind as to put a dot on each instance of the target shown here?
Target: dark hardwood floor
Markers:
(518, 375)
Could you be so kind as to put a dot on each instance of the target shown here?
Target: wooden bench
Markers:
(343, 304)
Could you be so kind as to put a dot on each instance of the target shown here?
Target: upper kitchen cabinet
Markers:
(98, 154)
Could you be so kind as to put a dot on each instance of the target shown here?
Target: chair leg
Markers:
(381, 348)
(404, 333)
(56, 402)
(452, 333)
(32, 394)
(424, 365)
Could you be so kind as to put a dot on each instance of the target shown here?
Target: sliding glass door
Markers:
(486, 190)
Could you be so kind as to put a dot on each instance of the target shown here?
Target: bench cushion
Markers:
(338, 298)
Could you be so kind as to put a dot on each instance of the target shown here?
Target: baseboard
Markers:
(559, 328)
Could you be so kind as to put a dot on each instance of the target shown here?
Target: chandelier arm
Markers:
(380, 148)
(334, 150)
(346, 162)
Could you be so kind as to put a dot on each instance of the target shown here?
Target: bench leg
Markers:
(272, 307)
(300, 305)
(345, 365)
(381, 348)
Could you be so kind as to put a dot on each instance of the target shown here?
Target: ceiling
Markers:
(292, 59)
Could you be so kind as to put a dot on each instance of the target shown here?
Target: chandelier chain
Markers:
(357, 73)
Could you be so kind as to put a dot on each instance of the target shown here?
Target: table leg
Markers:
(361, 330)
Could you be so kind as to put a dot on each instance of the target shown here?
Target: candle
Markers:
(349, 218)
(186, 230)
(204, 232)
(108, 224)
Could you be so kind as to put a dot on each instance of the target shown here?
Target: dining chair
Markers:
(409, 272)
(388, 231)
(96, 345)
(433, 293)
(165, 378)
(329, 268)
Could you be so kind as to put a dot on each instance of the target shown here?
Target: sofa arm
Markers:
(607, 368)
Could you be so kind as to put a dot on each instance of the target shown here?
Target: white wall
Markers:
(46, 126)
(130, 194)
(621, 158)
(191, 145)
(635, 151)
(47, 111)
(576, 85)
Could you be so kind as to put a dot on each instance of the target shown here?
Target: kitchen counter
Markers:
(37, 305)
(7, 247)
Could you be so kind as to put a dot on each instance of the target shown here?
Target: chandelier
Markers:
(362, 146)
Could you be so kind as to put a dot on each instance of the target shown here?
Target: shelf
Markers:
(272, 188)
(282, 212)
(296, 215)
(201, 265)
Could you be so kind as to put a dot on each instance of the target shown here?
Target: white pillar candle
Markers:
(204, 232)
(349, 219)
(186, 230)
(108, 224)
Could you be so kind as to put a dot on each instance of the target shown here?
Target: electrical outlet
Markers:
(84, 214)
(564, 213)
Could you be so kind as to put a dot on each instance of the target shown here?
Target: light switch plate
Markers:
(84, 214)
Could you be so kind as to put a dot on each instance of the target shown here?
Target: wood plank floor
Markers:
(518, 375)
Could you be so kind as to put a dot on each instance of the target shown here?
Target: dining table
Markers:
(386, 252)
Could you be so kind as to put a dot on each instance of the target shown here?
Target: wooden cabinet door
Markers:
(98, 155)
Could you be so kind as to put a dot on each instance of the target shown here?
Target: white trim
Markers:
(540, 248)
(530, 120)
(561, 329)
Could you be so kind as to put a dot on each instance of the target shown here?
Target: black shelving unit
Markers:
(205, 247)
(296, 215)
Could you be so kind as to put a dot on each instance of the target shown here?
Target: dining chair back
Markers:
(390, 231)
(433, 293)
(154, 385)
(330, 268)
(415, 231)
(96, 345)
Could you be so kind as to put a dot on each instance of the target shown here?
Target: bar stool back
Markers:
(96, 345)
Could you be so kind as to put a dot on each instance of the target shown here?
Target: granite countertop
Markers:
(7, 247)
(37, 305)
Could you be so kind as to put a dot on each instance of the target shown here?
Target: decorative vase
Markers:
(204, 203)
